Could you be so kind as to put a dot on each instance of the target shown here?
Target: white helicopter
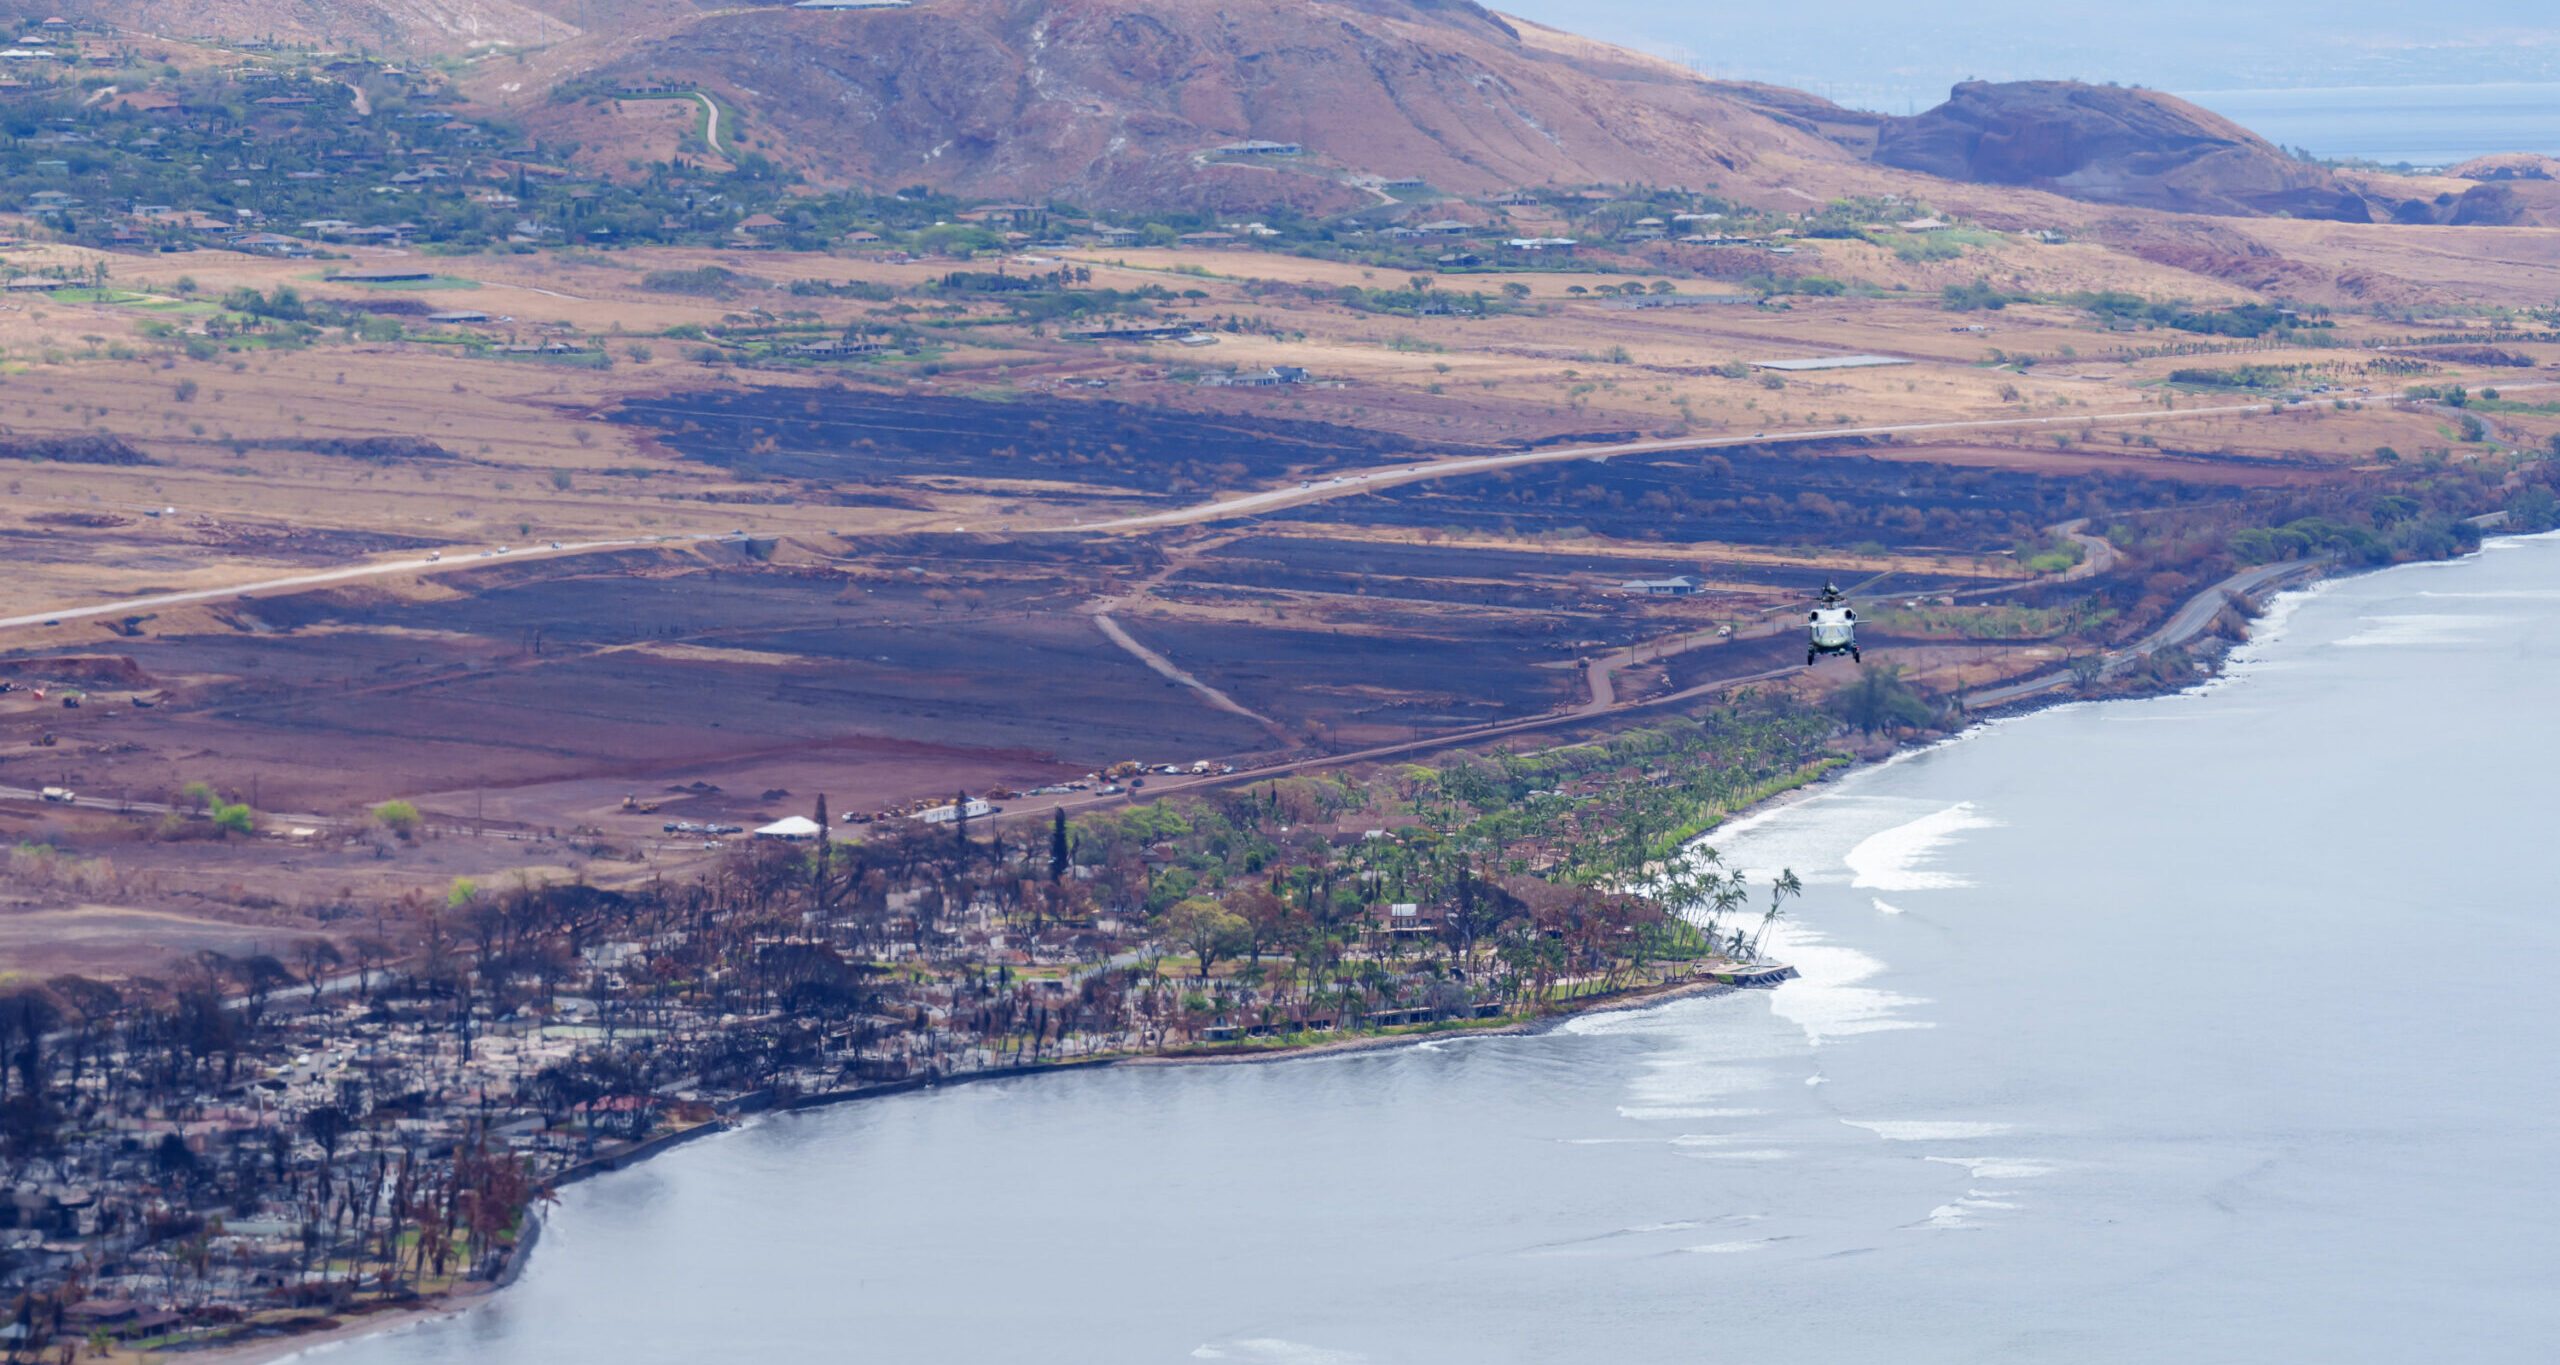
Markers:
(1831, 627)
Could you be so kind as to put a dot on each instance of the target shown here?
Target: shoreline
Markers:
(267, 1351)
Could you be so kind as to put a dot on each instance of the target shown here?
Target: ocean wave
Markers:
(1999, 1167)
(1825, 999)
(1753, 1154)
(1927, 1130)
(1959, 1215)
(1892, 860)
(1274, 1351)
(2418, 629)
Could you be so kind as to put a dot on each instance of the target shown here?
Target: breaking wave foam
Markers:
(1924, 1130)
(1893, 860)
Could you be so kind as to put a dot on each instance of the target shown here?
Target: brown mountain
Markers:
(2111, 145)
(1127, 101)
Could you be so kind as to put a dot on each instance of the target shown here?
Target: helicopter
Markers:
(1831, 627)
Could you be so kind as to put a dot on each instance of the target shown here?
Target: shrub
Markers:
(399, 817)
(710, 281)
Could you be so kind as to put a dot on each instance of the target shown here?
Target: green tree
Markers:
(1205, 929)
(1879, 699)
(235, 818)
(399, 817)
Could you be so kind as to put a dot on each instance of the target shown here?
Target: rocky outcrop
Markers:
(2508, 166)
(2492, 200)
(2111, 145)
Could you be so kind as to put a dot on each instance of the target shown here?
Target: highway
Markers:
(2184, 624)
(1364, 481)
(459, 559)
(1222, 509)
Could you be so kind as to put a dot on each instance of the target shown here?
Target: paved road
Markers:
(2183, 625)
(269, 819)
(1364, 481)
(460, 559)
(1158, 787)
(1368, 480)
(2096, 557)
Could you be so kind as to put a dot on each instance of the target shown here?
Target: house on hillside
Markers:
(1272, 377)
(1681, 586)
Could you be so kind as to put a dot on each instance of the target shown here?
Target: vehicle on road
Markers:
(1831, 627)
(59, 795)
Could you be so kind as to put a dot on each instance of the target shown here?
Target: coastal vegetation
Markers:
(263, 1142)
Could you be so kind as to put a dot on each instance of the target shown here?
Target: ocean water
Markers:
(2423, 125)
(2209, 1028)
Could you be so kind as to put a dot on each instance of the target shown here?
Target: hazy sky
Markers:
(1889, 54)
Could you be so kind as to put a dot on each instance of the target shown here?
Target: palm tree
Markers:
(1730, 894)
(1786, 885)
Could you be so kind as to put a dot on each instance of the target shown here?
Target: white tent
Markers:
(790, 827)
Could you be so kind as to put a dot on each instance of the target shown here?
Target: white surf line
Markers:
(1388, 477)
(310, 580)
